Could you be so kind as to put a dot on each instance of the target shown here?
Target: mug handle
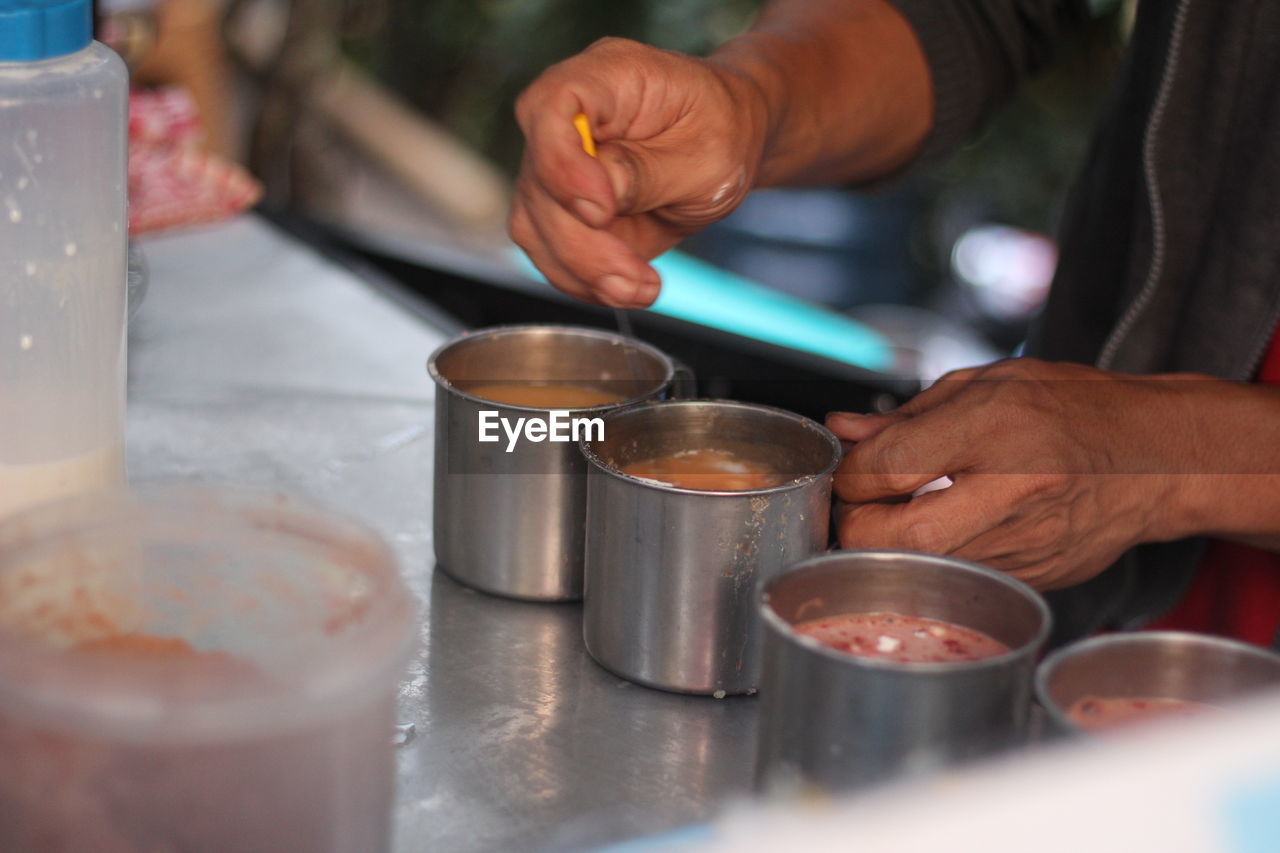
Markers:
(684, 385)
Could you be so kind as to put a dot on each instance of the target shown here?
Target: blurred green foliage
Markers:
(465, 61)
(1018, 170)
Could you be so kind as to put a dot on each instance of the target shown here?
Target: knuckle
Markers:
(845, 483)
(632, 164)
(1012, 384)
(849, 525)
(612, 44)
(519, 229)
(924, 536)
(1042, 575)
(891, 461)
(861, 527)
(1016, 366)
(1052, 485)
(846, 529)
(1018, 486)
(899, 483)
(526, 104)
(963, 374)
(1006, 369)
(1054, 528)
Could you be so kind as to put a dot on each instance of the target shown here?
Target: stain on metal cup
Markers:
(508, 513)
(836, 721)
(1178, 665)
(671, 572)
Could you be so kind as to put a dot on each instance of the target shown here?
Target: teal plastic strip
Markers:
(1251, 815)
(698, 292)
(684, 838)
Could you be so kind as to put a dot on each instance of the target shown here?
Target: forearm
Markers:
(1229, 468)
(845, 87)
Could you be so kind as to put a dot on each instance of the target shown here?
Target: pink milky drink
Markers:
(901, 638)
(1095, 713)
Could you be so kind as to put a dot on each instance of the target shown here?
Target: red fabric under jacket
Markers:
(1236, 592)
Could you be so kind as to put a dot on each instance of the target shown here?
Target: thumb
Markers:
(672, 177)
(634, 176)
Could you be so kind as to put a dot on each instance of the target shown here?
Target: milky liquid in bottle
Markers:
(63, 266)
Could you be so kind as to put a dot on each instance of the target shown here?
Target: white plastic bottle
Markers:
(63, 267)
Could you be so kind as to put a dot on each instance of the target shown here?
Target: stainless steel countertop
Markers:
(255, 361)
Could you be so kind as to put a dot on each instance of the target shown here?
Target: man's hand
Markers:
(679, 141)
(819, 91)
(1058, 468)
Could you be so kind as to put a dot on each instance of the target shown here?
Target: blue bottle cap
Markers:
(42, 29)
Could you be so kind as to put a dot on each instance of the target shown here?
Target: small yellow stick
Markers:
(584, 130)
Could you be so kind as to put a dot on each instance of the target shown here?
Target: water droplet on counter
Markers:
(404, 734)
(25, 342)
(70, 249)
(24, 182)
(97, 93)
(31, 268)
(32, 136)
(37, 158)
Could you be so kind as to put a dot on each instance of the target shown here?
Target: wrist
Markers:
(1161, 448)
(755, 85)
(1217, 457)
(845, 88)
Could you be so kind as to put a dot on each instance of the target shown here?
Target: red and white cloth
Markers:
(172, 180)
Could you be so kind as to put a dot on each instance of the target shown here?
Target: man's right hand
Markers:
(679, 142)
(819, 91)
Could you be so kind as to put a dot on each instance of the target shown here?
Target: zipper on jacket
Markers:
(1155, 270)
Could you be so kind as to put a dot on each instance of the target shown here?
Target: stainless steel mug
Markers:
(836, 721)
(1152, 664)
(508, 516)
(671, 572)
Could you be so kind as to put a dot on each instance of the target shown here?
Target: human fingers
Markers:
(526, 236)
(632, 97)
(683, 178)
(938, 523)
(941, 390)
(905, 456)
(593, 259)
(853, 426)
(556, 163)
(555, 159)
(1051, 539)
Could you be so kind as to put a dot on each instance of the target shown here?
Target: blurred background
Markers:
(387, 126)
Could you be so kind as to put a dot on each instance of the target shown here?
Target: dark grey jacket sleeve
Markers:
(978, 52)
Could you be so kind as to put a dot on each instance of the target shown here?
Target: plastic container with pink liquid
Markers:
(197, 670)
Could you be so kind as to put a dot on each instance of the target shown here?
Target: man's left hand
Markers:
(1057, 468)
